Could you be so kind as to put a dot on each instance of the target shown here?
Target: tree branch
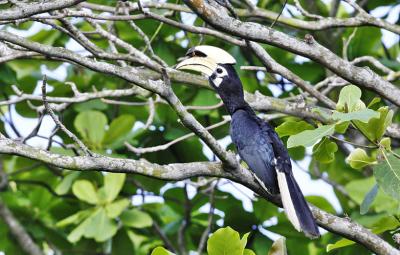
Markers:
(181, 171)
(363, 77)
(29, 9)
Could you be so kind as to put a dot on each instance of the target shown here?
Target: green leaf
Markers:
(114, 209)
(264, 210)
(324, 151)
(161, 251)
(119, 127)
(349, 99)
(358, 159)
(113, 183)
(386, 143)
(136, 219)
(64, 186)
(248, 252)
(78, 232)
(85, 191)
(376, 127)
(100, 227)
(362, 115)
(91, 127)
(387, 174)
(339, 244)
(341, 127)
(358, 189)
(310, 137)
(74, 218)
(374, 101)
(225, 241)
(292, 128)
(322, 203)
(278, 247)
(369, 198)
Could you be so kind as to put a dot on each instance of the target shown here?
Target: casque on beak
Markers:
(205, 59)
(204, 65)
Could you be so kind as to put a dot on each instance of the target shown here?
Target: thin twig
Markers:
(207, 231)
(279, 15)
(169, 144)
(50, 111)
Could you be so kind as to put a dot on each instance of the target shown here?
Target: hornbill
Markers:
(256, 141)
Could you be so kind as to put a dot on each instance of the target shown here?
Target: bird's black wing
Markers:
(255, 148)
(260, 158)
(295, 205)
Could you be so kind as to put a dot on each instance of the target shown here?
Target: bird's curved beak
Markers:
(204, 65)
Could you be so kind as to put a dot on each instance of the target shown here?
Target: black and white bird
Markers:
(256, 141)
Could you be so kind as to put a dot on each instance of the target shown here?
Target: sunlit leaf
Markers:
(292, 128)
(349, 99)
(376, 127)
(64, 186)
(136, 219)
(310, 137)
(225, 241)
(114, 209)
(363, 115)
(161, 251)
(359, 158)
(113, 183)
(85, 191)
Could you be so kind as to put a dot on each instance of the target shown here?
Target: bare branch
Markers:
(20, 234)
(180, 171)
(58, 122)
(29, 9)
(308, 48)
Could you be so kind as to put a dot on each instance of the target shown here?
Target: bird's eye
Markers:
(219, 70)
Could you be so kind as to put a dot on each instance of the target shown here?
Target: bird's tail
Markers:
(295, 205)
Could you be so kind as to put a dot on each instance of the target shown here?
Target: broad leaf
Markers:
(161, 251)
(85, 191)
(349, 99)
(64, 186)
(310, 137)
(376, 127)
(114, 209)
(362, 115)
(248, 252)
(264, 210)
(369, 199)
(225, 241)
(91, 127)
(359, 158)
(339, 244)
(324, 151)
(113, 183)
(119, 127)
(292, 128)
(136, 219)
(387, 174)
(74, 218)
(100, 227)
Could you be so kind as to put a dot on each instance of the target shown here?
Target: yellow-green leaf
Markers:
(85, 191)
(359, 158)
